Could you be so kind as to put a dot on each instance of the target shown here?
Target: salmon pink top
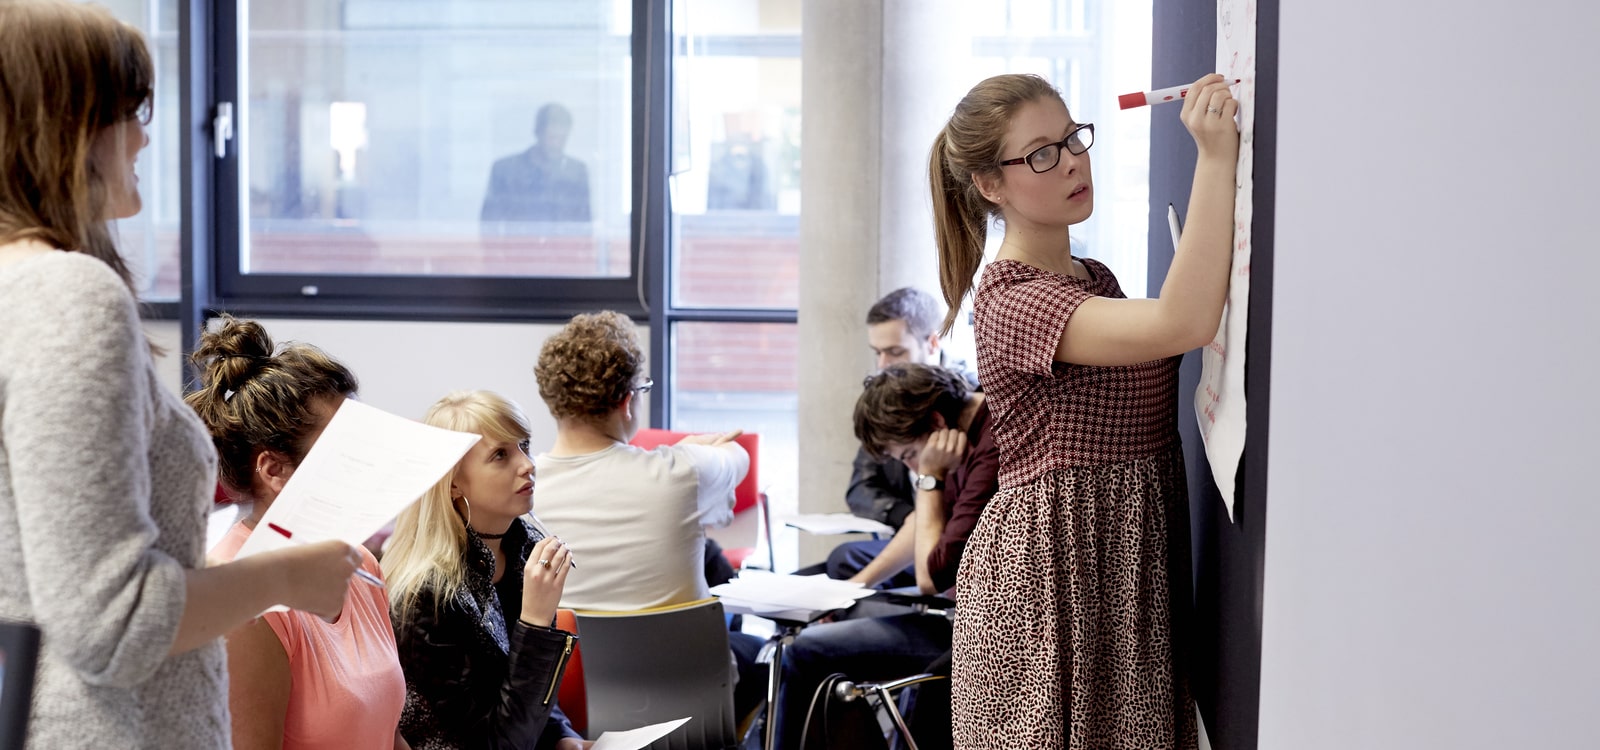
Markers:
(347, 687)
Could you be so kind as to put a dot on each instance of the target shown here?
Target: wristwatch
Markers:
(929, 482)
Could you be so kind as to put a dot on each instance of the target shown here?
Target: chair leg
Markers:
(883, 692)
(889, 704)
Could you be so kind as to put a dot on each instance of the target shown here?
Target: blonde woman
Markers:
(105, 476)
(473, 617)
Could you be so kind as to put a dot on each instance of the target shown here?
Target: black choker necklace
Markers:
(482, 535)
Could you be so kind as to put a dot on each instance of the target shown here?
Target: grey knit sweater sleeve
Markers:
(98, 511)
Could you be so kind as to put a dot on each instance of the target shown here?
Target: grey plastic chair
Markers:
(657, 665)
(19, 655)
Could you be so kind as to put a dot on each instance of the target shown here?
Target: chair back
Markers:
(746, 494)
(19, 655)
(573, 699)
(657, 665)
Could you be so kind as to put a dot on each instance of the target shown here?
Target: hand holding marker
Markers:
(1159, 96)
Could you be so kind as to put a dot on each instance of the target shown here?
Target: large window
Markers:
(455, 158)
(150, 240)
(736, 155)
(401, 137)
(734, 247)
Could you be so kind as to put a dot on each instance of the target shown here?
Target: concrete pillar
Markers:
(925, 72)
(876, 83)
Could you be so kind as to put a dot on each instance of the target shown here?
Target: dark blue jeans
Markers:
(866, 650)
(752, 687)
(850, 558)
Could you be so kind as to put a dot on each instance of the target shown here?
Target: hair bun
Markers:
(232, 353)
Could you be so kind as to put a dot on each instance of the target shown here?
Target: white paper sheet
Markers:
(837, 523)
(634, 739)
(367, 466)
(759, 590)
(1219, 401)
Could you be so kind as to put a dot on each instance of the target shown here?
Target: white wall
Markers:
(1431, 567)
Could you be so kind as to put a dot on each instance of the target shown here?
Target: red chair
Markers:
(746, 496)
(573, 698)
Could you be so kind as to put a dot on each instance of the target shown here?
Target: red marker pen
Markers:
(1159, 96)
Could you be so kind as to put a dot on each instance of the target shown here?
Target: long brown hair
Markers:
(970, 145)
(254, 397)
(70, 72)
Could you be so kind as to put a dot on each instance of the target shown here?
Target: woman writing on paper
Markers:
(473, 592)
(1076, 573)
(92, 442)
(298, 682)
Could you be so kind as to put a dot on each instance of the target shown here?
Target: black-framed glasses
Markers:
(1046, 157)
(645, 387)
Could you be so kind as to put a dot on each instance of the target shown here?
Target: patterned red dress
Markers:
(1071, 581)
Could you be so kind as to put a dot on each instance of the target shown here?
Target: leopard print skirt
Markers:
(1064, 635)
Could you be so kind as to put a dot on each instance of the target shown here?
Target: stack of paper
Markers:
(837, 523)
(788, 597)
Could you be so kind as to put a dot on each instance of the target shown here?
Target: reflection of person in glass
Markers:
(738, 177)
(541, 184)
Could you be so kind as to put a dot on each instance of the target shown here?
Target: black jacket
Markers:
(880, 490)
(472, 684)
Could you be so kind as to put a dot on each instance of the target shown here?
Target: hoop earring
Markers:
(468, 503)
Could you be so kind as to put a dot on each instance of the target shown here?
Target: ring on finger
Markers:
(1213, 110)
(544, 563)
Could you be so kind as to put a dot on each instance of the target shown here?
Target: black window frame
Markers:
(210, 76)
(219, 283)
(665, 315)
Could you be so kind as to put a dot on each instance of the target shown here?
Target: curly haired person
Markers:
(636, 517)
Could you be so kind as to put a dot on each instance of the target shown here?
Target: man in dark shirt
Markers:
(901, 327)
(541, 184)
(928, 418)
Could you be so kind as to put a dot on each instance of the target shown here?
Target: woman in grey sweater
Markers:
(105, 476)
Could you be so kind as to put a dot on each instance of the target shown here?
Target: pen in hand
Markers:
(360, 573)
(538, 526)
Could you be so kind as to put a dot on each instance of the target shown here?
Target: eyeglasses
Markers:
(1046, 157)
(645, 386)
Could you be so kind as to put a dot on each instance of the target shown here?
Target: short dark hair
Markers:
(900, 400)
(917, 308)
(549, 114)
